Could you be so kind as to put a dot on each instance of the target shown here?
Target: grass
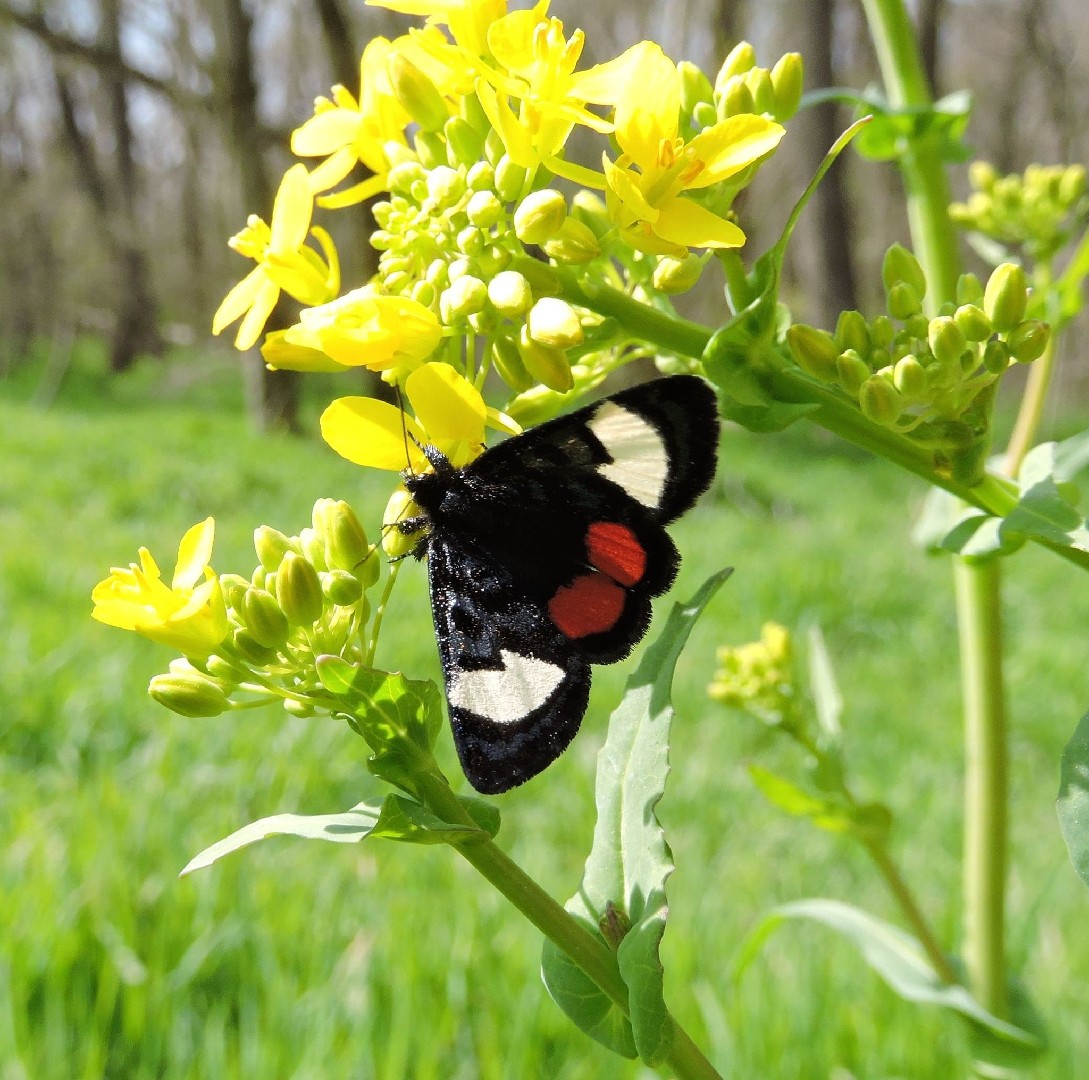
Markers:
(304, 960)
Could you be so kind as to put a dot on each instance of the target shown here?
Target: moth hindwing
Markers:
(543, 556)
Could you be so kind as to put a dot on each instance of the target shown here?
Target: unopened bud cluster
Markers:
(920, 375)
(1038, 210)
(307, 597)
(758, 677)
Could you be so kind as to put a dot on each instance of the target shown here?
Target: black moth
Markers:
(543, 556)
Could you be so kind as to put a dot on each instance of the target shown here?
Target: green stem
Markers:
(684, 1059)
(1032, 409)
(978, 587)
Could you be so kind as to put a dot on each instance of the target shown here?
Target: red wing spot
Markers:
(591, 604)
(615, 550)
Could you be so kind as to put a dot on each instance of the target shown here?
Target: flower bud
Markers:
(973, 322)
(271, 545)
(471, 241)
(298, 591)
(546, 364)
(484, 209)
(430, 149)
(736, 98)
(982, 175)
(882, 332)
(880, 401)
(554, 322)
(996, 356)
(946, 340)
(758, 80)
(917, 326)
(673, 276)
(224, 671)
(189, 694)
(909, 377)
(815, 351)
(494, 150)
(404, 176)
(704, 115)
(313, 548)
(464, 144)
(251, 650)
(341, 588)
(1072, 184)
(416, 93)
(1006, 296)
(263, 617)
(510, 294)
(903, 301)
(539, 216)
(852, 332)
(401, 507)
(852, 371)
(465, 296)
(483, 322)
(695, 86)
(1028, 340)
(234, 587)
(510, 179)
(541, 277)
(574, 243)
(900, 264)
(969, 290)
(741, 58)
(590, 209)
(943, 374)
(445, 185)
(481, 177)
(787, 78)
(507, 360)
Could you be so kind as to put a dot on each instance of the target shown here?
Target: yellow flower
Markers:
(644, 187)
(346, 132)
(450, 414)
(537, 68)
(362, 328)
(284, 261)
(190, 615)
(467, 20)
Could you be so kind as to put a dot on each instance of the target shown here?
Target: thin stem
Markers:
(685, 1060)
(380, 611)
(978, 588)
(1032, 409)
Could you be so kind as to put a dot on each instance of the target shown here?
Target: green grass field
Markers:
(390, 961)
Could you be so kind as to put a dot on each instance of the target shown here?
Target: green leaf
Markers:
(1073, 802)
(405, 819)
(1071, 456)
(630, 860)
(894, 131)
(827, 699)
(1042, 511)
(767, 419)
(796, 801)
(896, 957)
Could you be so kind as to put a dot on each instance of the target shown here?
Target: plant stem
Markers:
(978, 587)
(1032, 409)
(684, 1059)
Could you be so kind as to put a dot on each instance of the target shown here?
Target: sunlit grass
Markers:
(302, 960)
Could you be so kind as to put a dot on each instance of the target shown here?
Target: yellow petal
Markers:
(239, 300)
(257, 316)
(732, 145)
(326, 132)
(282, 354)
(291, 210)
(688, 224)
(448, 405)
(649, 110)
(194, 553)
(373, 433)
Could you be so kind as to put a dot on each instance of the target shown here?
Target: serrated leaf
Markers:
(1042, 511)
(630, 860)
(895, 956)
(348, 828)
(1072, 804)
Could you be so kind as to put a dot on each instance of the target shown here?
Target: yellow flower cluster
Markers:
(758, 677)
(462, 126)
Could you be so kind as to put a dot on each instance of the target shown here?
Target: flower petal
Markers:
(449, 407)
(732, 145)
(194, 554)
(373, 433)
(688, 224)
(291, 211)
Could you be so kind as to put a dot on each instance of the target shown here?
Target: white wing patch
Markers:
(521, 685)
(640, 462)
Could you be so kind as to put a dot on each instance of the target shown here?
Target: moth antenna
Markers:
(404, 429)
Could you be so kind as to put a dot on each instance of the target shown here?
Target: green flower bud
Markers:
(882, 332)
(400, 507)
(852, 332)
(574, 243)
(417, 93)
(787, 78)
(554, 322)
(313, 549)
(251, 650)
(674, 276)
(483, 322)
(271, 545)
(341, 588)
(546, 364)
(404, 175)
(943, 374)
(903, 301)
(541, 277)
(484, 209)
(982, 175)
(758, 80)
(880, 400)
(704, 115)
(815, 351)
(510, 293)
(445, 185)
(298, 708)
(900, 264)
(1072, 184)
(1028, 340)
(695, 86)
(481, 177)
(423, 292)
(1006, 296)
(590, 209)
(973, 322)
(852, 370)
(969, 290)
(298, 591)
(741, 58)
(189, 694)
(464, 144)
(494, 150)
(996, 356)
(471, 241)
(909, 377)
(224, 671)
(946, 339)
(917, 327)
(539, 216)
(464, 297)
(736, 98)
(494, 259)
(430, 149)
(507, 360)
(234, 587)
(510, 179)
(263, 617)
